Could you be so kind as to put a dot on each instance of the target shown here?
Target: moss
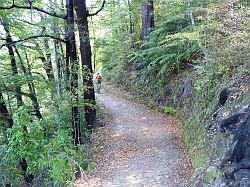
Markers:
(186, 138)
(169, 110)
(198, 160)
(210, 176)
(194, 133)
(194, 140)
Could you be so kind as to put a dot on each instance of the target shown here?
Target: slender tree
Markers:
(23, 163)
(190, 12)
(31, 85)
(131, 25)
(147, 18)
(9, 39)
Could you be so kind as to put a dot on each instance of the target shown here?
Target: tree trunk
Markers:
(131, 26)
(27, 177)
(5, 117)
(66, 66)
(85, 49)
(13, 64)
(58, 60)
(48, 63)
(72, 56)
(147, 18)
(58, 67)
(31, 85)
(46, 57)
(32, 89)
(94, 48)
(190, 12)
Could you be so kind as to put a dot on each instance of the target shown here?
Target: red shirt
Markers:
(98, 77)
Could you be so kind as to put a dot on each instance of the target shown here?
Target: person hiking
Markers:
(98, 82)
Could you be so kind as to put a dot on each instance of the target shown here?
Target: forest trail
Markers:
(139, 148)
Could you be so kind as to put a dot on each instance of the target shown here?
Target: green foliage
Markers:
(198, 160)
(46, 144)
(29, 138)
(210, 176)
(169, 111)
(171, 47)
(214, 52)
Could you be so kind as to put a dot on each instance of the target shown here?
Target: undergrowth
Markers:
(213, 53)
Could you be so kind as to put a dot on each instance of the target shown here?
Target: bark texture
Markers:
(72, 57)
(85, 49)
(147, 18)
(9, 39)
(5, 117)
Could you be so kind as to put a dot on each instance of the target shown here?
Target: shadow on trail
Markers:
(141, 148)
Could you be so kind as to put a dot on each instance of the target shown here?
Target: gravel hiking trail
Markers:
(138, 148)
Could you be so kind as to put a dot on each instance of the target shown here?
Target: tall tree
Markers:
(147, 18)
(55, 121)
(190, 12)
(131, 24)
(85, 50)
(9, 39)
(32, 94)
(72, 55)
(23, 163)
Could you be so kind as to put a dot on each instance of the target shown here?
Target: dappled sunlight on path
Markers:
(140, 148)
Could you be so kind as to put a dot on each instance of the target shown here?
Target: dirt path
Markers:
(140, 148)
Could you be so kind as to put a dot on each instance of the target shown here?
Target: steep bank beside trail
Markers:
(183, 69)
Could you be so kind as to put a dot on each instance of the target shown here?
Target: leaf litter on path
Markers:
(138, 148)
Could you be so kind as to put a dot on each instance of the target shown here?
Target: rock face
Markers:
(235, 163)
(222, 99)
(186, 90)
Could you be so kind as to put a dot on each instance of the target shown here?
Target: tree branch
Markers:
(33, 8)
(94, 14)
(33, 37)
(8, 89)
(24, 21)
